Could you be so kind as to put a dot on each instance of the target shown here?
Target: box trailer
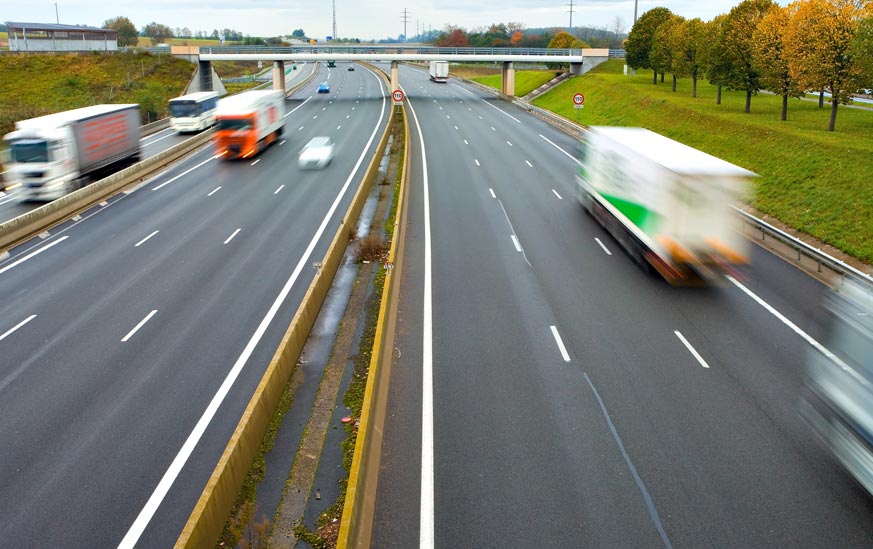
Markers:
(439, 71)
(53, 155)
(666, 203)
(249, 122)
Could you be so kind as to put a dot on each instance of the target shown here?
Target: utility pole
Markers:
(57, 17)
(636, 2)
(334, 20)
(405, 19)
(571, 16)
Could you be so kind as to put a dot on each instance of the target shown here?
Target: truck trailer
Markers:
(666, 203)
(53, 155)
(249, 122)
(439, 71)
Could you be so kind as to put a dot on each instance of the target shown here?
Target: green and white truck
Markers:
(666, 203)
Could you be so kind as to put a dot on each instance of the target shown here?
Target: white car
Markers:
(316, 154)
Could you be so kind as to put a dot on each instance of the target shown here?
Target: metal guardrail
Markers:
(824, 260)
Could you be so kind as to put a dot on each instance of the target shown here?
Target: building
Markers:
(48, 37)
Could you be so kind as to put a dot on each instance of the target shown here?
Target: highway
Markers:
(546, 392)
(131, 340)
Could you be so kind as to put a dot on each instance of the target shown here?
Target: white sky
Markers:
(364, 19)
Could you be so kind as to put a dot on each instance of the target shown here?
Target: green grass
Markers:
(816, 181)
(525, 81)
(35, 85)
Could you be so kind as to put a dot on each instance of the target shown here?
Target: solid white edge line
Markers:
(151, 506)
(279, 189)
(138, 326)
(691, 349)
(17, 326)
(186, 172)
(146, 238)
(552, 143)
(33, 253)
(215, 190)
(501, 110)
(602, 245)
(289, 113)
(809, 339)
(556, 194)
(232, 235)
(426, 509)
(560, 343)
(515, 242)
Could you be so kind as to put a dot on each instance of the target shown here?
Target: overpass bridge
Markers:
(580, 60)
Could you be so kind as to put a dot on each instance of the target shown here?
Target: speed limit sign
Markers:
(397, 95)
(578, 100)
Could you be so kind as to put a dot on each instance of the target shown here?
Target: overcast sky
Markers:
(364, 19)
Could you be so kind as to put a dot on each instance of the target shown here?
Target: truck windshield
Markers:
(186, 109)
(29, 151)
(233, 124)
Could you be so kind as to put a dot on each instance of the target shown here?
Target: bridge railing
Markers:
(372, 49)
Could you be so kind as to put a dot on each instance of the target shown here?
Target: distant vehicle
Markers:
(331, 64)
(316, 154)
(324, 87)
(439, 71)
(249, 122)
(56, 154)
(193, 112)
(351, 67)
(666, 203)
(838, 398)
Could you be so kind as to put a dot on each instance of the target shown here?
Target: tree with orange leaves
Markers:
(770, 58)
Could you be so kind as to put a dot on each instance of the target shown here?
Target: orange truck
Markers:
(249, 122)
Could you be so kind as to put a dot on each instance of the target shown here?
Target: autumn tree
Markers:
(717, 65)
(741, 73)
(157, 32)
(662, 55)
(565, 40)
(641, 37)
(769, 55)
(127, 35)
(517, 38)
(452, 37)
(862, 50)
(689, 44)
(818, 45)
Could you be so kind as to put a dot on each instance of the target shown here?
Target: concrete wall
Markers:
(62, 45)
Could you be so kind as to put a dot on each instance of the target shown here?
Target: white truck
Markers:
(248, 122)
(666, 203)
(53, 155)
(439, 71)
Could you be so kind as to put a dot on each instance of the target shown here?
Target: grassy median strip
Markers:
(814, 180)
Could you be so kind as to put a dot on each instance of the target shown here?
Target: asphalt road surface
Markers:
(131, 340)
(546, 392)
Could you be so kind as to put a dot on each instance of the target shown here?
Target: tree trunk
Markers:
(694, 86)
(662, 78)
(654, 77)
(833, 122)
(821, 99)
(674, 82)
(785, 106)
(748, 100)
(718, 97)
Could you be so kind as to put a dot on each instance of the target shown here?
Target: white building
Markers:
(48, 37)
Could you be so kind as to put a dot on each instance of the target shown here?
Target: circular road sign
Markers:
(578, 99)
(397, 95)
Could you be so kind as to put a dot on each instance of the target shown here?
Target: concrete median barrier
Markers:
(212, 510)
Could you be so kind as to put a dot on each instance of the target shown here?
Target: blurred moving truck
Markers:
(666, 203)
(56, 154)
(193, 112)
(248, 122)
(439, 71)
(838, 397)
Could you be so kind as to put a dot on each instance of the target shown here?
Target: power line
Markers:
(334, 20)
(571, 16)
(405, 19)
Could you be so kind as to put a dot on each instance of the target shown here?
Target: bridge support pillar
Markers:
(576, 69)
(279, 75)
(395, 76)
(205, 75)
(508, 82)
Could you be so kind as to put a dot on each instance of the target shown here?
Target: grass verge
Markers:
(525, 81)
(814, 180)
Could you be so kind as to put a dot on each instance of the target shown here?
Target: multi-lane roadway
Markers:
(546, 392)
(132, 339)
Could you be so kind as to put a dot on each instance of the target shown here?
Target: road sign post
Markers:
(397, 96)
(578, 101)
